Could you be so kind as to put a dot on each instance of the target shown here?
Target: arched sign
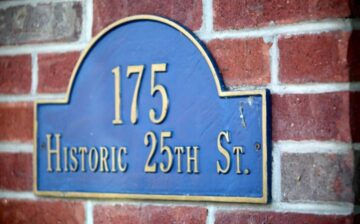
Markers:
(146, 116)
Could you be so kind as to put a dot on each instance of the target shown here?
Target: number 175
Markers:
(139, 70)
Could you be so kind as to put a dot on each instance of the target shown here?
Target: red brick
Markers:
(317, 58)
(25, 211)
(235, 14)
(242, 62)
(317, 177)
(149, 214)
(55, 71)
(15, 74)
(187, 12)
(311, 117)
(16, 121)
(251, 217)
(16, 171)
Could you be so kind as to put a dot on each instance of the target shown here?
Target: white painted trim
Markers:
(30, 98)
(312, 146)
(17, 195)
(89, 212)
(307, 27)
(34, 74)
(13, 147)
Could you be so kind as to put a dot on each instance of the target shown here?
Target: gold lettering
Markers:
(158, 88)
(150, 168)
(179, 150)
(74, 165)
(66, 159)
(224, 152)
(116, 72)
(134, 105)
(83, 150)
(55, 151)
(165, 148)
(93, 152)
(104, 155)
(122, 150)
(193, 159)
(113, 159)
(237, 151)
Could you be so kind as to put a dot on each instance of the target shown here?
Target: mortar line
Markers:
(89, 212)
(276, 175)
(88, 22)
(274, 61)
(13, 147)
(313, 146)
(43, 48)
(207, 25)
(34, 73)
(30, 98)
(210, 219)
(300, 28)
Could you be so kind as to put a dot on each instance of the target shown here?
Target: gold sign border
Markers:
(221, 92)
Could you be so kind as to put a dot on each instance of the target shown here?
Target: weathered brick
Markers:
(242, 62)
(16, 171)
(15, 74)
(187, 12)
(45, 22)
(251, 217)
(26, 211)
(321, 57)
(149, 214)
(235, 14)
(16, 121)
(311, 117)
(357, 177)
(317, 177)
(55, 71)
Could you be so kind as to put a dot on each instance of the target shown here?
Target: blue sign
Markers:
(146, 116)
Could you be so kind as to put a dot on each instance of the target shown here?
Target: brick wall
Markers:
(306, 52)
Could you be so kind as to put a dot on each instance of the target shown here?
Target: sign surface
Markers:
(146, 116)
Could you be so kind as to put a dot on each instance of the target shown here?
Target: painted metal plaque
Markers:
(146, 116)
